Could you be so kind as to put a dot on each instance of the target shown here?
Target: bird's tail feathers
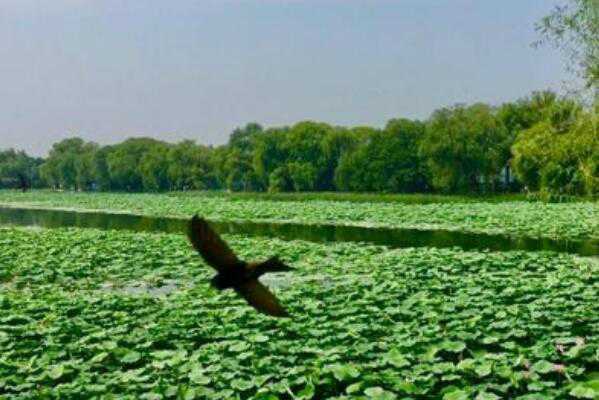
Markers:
(273, 264)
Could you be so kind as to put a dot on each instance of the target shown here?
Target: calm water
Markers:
(288, 231)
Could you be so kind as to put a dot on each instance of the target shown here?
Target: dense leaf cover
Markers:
(369, 322)
(547, 142)
(563, 221)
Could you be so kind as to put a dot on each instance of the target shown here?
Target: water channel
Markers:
(392, 237)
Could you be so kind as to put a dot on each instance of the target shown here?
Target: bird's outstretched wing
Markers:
(209, 244)
(261, 298)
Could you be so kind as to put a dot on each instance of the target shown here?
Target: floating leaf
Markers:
(397, 359)
(131, 357)
(358, 327)
(379, 393)
(452, 346)
(56, 372)
(197, 375)
(344, 372)
(456, 394)
(98, 358)
(484, 369)
(583, 392)
(307, 392)
(238, 384)
(487, 396)
(353, 388)
(542, 367)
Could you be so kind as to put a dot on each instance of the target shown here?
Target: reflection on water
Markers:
(391, 237)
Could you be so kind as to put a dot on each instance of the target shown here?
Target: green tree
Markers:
(123, 162)
(243, 138)
(239, 172)
(560, 155)
(279, 180)
(531, 154)
(234, 163)
(304, 144)
(18, 170)
(302, 175)
(70, 164)
(269, 155)
(190, 167)
(334, 145)
(100, 169)
(524, 113)
(153, 168)
(464, 146)
(386, 161)
(574, 28)
(84, 167)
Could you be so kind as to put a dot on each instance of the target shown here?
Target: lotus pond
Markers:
(575, 221)
(104, 314)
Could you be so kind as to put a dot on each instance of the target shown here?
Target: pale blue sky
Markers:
(109, 69)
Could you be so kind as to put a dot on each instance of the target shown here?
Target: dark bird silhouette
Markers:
(236, 274)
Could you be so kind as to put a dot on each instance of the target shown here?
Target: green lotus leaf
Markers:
(379, 393)
(585, 390)
(396, 358)
(56, 372)
(241, 385)
(198, 376)
(98, 358)
(456, 394)
(344, 372)
(486, 396)
(131, 357)
(307, 392)
(484, 369)
(543, 367)
(353, 388)
(361, 316)
(453, 346)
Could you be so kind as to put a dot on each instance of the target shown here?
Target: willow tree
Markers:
(574, 28)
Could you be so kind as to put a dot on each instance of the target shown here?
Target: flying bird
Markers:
(236, 274)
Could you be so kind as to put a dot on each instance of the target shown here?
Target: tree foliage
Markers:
(560, 155)
(464, 145)
(385, 161)
(574, 28)
(550, 142)
(69, 165)
(18, 170)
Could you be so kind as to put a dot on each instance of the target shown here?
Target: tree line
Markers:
(538, 143)
(542, 143)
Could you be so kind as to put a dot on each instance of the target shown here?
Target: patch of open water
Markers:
(391, 237)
